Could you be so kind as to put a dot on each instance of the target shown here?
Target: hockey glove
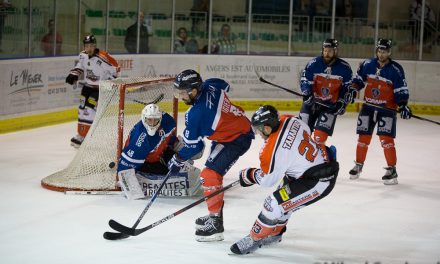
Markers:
(71, 78)
(309, 100)
(247, 177)
(339, 107)
(351, 95)
(405, 111)
(175, 165)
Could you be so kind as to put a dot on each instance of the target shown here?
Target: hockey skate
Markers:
(356, 171)
(201, 221)
(390, 177)
(212, 230)
(273, 239)
(76, 141)
(246, 245)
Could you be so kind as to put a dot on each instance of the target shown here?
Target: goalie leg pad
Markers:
(130, 185)
(211, 182)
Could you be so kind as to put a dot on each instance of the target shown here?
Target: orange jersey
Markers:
(326, 87)
(288, 151)
(380, 91)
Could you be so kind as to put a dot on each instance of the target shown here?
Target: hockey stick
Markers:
(155, 101)
(117, 236)
(261, 79)
(396, 111)
(134, 232)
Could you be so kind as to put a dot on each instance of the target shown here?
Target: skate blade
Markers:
(75, 145)
(390, 182)
(354, 177)
(215, 237)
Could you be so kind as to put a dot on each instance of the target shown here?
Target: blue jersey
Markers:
(383, 86)
(327, 83)
(213, 116)
(141, 147)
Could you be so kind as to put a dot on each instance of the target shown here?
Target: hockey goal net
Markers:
(120, 104)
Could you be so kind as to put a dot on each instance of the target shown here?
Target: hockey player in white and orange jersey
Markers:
(308, 173)
(95, 65)
(385, 86)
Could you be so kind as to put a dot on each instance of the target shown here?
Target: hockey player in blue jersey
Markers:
(151, 144)
(385, 85)
(214, 116)
(324, 81)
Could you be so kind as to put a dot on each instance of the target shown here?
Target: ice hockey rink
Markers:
(361, 221)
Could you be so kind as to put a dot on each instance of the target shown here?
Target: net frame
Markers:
(75, 178)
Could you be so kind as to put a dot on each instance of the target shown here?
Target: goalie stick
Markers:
(125, 230)
(261, 79)
(117, 236)
(396, 111)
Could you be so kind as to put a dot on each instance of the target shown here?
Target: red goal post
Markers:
(120, 104)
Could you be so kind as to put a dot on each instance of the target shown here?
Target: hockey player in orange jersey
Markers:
(94, 65)
(307, 172)
(385, 85)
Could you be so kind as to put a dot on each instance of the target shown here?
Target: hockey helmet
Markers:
(151, 117)
(383, 44)
(187, 80)
(89, 39)
(266, 115)
(330, 43)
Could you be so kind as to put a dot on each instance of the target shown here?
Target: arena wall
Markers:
(33, 92)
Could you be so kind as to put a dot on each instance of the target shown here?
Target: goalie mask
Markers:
(151, 117)
(266, 115)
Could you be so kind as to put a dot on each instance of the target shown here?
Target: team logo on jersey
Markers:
(325, 91)
(141, 139)
(375, 92)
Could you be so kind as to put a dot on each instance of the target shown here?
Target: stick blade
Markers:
(114, 236)
(121, 228)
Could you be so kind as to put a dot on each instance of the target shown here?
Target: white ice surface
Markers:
(360, 221)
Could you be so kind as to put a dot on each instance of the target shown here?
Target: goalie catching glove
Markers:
(247, 176)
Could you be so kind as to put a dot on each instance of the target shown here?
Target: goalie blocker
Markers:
(137, 185)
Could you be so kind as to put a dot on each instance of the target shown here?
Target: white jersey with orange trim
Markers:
(98, 67)
(289, 151)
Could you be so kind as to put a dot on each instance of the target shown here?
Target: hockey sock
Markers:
(389, 150)
(212, 181)
(362, 148)
(261, 230)
(83, 129)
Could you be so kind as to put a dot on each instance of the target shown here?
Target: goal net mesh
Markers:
(120, 104)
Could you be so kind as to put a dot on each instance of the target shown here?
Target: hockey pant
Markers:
(279, 206)
(87, 109)
(319, 121)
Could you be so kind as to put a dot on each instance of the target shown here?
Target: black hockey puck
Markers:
(112, 165)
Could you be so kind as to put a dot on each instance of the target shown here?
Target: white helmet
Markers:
(151, 112)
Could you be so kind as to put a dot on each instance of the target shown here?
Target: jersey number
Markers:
(306, 148)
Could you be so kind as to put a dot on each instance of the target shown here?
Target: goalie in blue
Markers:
(151, 144)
